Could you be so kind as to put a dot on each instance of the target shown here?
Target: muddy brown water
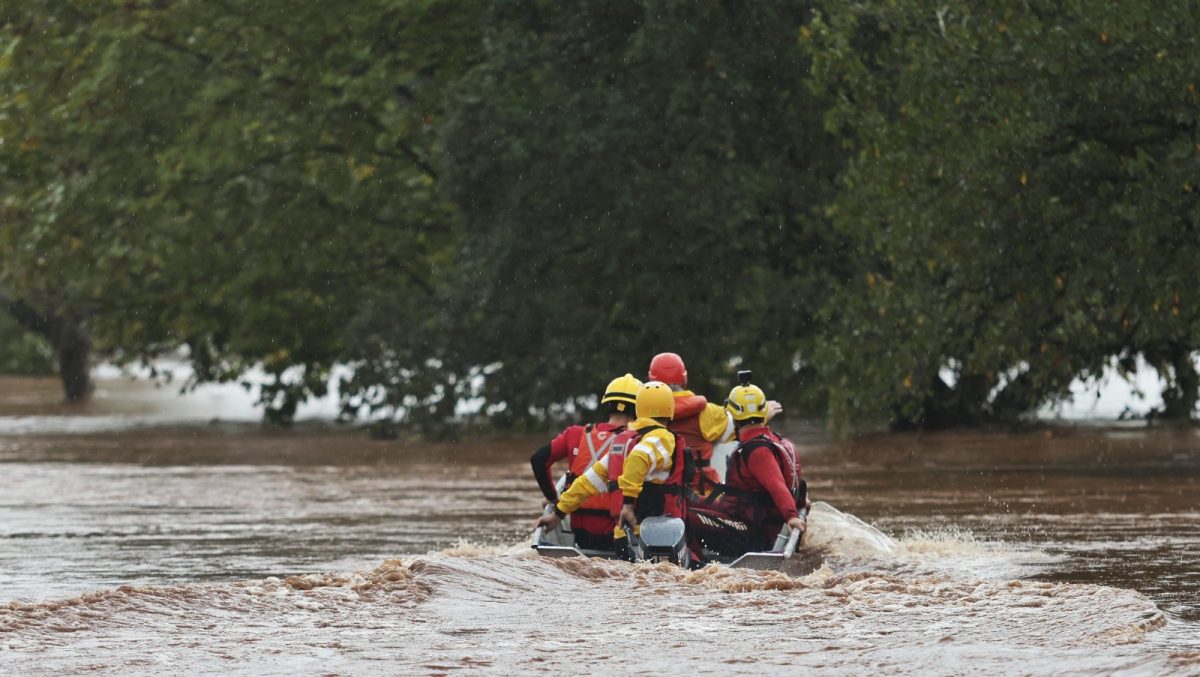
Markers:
(138, 541)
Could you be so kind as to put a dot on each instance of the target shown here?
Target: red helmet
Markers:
(668, 368)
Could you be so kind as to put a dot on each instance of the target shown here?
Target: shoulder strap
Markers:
(743, 450)
(595, 452)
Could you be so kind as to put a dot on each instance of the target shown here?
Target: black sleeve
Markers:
(542, 473)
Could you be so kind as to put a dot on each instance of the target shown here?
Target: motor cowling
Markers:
(664, 537)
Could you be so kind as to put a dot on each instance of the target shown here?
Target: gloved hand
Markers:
(549, 521)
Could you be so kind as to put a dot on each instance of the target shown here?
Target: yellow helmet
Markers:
(745, 402)
(655, 400)
(622, 390)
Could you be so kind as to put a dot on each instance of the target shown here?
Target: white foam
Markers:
(849, 541)
(844, 534)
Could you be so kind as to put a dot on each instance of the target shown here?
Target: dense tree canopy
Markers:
(227, 177)
(638, 177)
(1022, 195)
(911, 212)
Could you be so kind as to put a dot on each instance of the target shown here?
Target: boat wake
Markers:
(848, 543)
(498, 608)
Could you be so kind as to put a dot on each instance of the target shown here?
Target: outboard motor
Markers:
(664, 537)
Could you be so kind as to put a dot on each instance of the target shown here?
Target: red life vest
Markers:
(592, 515)
(789, 467)
(670, 493)
(687, 424)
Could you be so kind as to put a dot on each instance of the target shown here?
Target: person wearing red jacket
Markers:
(764, 483)
(582, 446)
(700, 422)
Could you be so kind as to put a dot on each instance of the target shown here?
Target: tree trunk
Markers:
(70, 339)
(74, 363)
(1183, 386)
(955, 407)
(1016, 398)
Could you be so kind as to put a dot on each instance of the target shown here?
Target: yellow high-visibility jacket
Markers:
(650, 460)
(715, 424)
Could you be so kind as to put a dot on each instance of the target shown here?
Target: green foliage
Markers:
(224, 176)
(1022, 192)
(637, 177)
(21, 352)
(914, 212)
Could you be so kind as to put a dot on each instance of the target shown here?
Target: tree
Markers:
(636, 177)
(230, 178)
(1022, 193)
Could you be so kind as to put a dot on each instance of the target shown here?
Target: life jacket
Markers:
(789, 467)
(686, 423)
(594, 443)
(667, 499)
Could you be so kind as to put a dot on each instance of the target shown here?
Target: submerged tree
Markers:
(1023, 194)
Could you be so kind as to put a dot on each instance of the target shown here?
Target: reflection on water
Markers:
(197, 547)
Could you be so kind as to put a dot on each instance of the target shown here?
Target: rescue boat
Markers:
(664, 539)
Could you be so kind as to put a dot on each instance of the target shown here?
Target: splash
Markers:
(466, 548)
(504, 613)
(947, 541)
(846, 542)
(833, 531)
(849, 543)
(394, 577)
(393, 581)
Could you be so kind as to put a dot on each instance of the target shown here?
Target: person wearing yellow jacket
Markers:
(644, 461)
(700, 422)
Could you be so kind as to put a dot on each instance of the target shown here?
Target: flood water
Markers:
(138, 537)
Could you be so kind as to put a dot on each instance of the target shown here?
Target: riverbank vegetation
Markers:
(927, 214)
